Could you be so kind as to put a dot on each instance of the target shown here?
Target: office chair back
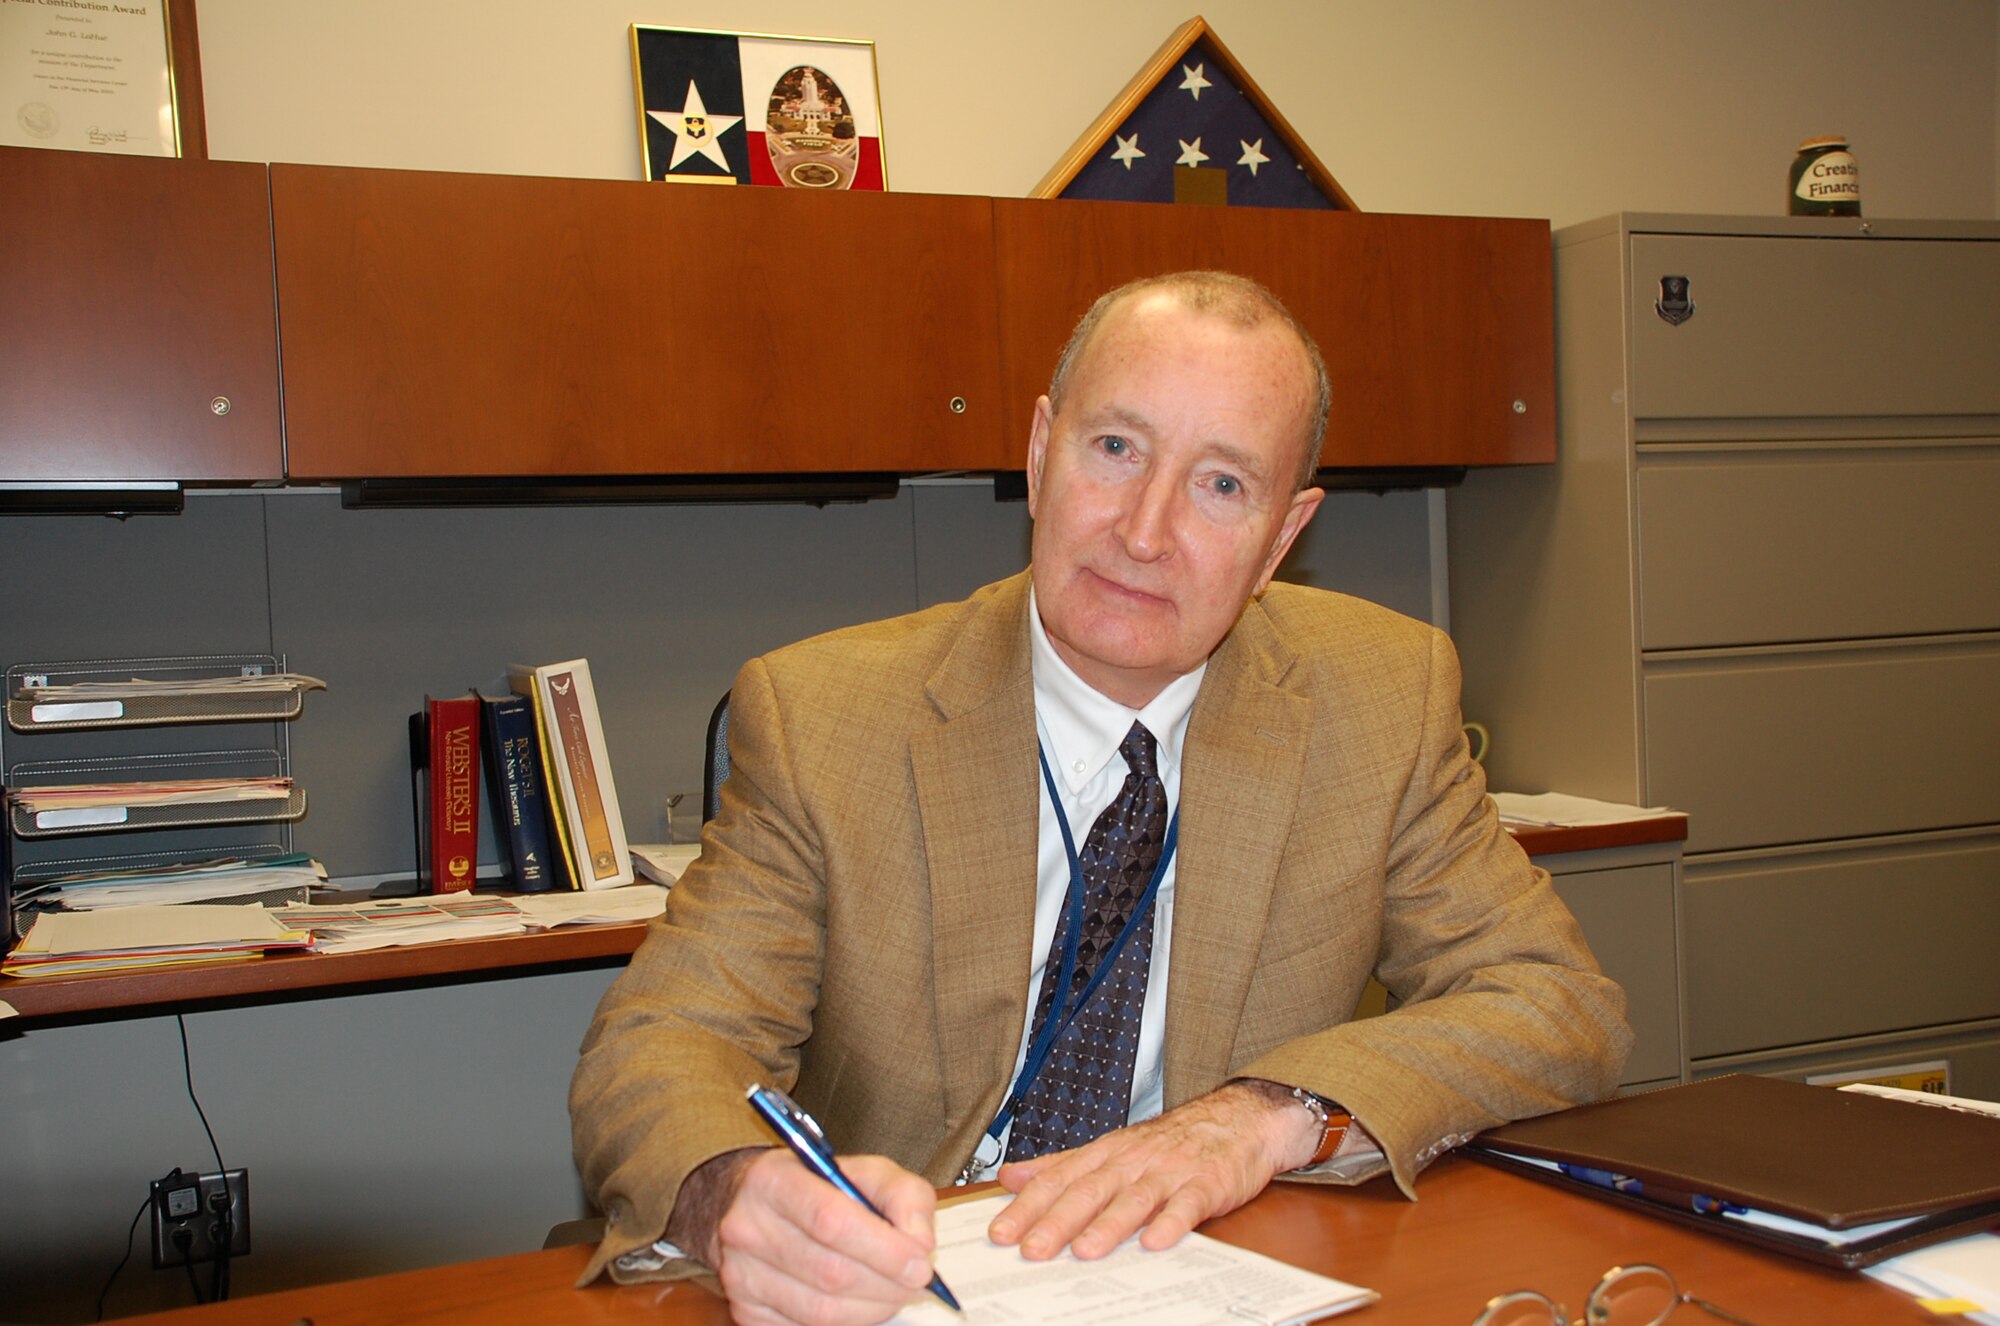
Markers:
(715, 764)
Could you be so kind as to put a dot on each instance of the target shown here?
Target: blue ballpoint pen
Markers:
(801, 1132)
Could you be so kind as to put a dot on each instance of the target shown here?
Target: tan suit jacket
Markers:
(858, 927)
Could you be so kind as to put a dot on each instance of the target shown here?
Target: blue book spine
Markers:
(519, 789)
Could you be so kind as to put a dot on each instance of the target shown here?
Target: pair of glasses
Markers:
(1636, 1295)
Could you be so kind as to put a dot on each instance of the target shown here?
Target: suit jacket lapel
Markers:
(1245, 756)
(977, 794)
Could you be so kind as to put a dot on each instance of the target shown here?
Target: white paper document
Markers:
(1962, 1103)
(631, 902)
(1559, 810)
(664, 863)
(1964, 1274)
(1199, 1282)
(166, 926)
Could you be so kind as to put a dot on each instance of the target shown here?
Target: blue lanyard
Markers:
(1064, 1012)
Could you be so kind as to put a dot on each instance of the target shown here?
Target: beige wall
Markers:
(1560, 108)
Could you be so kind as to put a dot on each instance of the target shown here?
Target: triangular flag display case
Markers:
(1193, 127)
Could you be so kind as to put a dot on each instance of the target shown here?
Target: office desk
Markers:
(69, 998)
(1476, 1232)
(137, 993)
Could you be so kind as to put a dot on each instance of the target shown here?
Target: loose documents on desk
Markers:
(131, 938)
(1558, 810)
(1199, 1281)
(392, 922)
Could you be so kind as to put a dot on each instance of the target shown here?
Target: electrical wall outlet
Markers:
(188, 1217)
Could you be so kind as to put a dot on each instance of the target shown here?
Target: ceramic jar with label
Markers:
(1824, 179)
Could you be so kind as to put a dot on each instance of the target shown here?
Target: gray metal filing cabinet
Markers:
(1761, 584)
(1623, 897)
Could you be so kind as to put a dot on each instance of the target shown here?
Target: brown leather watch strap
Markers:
(1333, 1123)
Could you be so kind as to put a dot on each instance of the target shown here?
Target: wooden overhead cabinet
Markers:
(140, 338)
(456, 326)
(442, 325)
(483, 325)
(1438, 331)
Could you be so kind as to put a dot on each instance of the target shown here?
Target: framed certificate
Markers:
(98, 78)
(747, 108)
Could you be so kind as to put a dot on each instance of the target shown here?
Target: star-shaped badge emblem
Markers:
(1253, 155)
(1191, 153)
(1128, 150)
(696, 132)
(1194, 82)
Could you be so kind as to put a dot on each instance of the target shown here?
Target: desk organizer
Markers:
(122, 730)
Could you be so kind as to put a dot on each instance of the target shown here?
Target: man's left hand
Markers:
(1165, 1175)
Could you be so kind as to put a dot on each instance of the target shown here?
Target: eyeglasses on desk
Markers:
(1637, 1295)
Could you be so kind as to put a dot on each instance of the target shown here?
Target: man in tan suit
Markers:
(872, 912)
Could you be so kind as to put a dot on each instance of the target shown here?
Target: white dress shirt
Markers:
(1080, 732)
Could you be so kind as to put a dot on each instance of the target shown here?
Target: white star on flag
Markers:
(1253, 155)
(695, 131)
(1128, 150)
(1191, 153)
(1194, 82)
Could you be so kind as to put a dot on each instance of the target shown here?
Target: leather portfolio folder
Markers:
(1853, 1178)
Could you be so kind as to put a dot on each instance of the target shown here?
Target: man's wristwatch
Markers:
(1333, 1123)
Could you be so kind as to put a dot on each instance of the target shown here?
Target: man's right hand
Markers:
(792, 1250)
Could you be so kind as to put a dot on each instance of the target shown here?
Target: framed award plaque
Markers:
(97, 78)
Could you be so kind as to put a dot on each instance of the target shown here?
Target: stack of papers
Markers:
(92, 805)
(630, 902)
(138, 937)
(1557, 810)
(227, 684)
(233, 878)
(392, 922)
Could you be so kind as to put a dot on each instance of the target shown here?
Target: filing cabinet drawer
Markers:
(1627, 915)
(1798, 746)
(1785, 948)
(1816, 329)
(1821, 545)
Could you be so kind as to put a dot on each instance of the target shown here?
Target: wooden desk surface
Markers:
(1551, 840)
(141, 992)
(1474, 1233)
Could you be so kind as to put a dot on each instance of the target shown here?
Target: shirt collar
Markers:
(1081, 728)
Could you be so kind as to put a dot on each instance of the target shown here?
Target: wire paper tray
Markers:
(183, 815)
(27, 823)
(27, 712)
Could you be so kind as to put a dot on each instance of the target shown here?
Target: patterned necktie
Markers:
(1085, 1087)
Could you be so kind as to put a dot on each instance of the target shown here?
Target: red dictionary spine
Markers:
(454, 777)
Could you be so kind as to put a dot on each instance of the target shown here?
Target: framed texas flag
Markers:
(748, 108)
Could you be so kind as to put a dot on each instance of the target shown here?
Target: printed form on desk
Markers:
(1199, 1281)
